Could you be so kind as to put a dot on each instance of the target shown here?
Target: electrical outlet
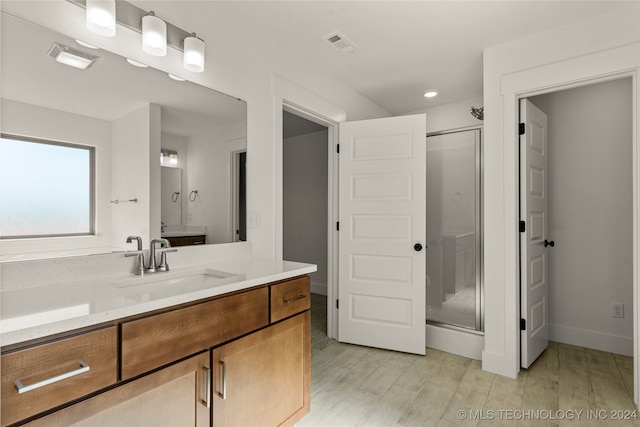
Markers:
(618, 310)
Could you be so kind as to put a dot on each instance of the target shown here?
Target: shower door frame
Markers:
(479, 324)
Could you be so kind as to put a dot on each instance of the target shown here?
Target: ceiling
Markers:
(407, 47)
(293, 126)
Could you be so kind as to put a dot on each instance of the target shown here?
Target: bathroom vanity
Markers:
(233, 352)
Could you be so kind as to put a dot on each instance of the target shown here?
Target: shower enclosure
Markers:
(454, 293)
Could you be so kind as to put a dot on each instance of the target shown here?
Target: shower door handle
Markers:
(417, 247)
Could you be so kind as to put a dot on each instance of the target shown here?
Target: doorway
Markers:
(305, 207)
(588, 242)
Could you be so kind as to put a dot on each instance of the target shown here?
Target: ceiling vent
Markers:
(340, 42)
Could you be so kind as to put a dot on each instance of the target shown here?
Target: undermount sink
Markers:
(182, 278)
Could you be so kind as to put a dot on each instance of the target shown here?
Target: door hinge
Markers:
(522, 227)
(338, 226)
(338, 148)
(523, 325)
(521, 129)
(338, 303)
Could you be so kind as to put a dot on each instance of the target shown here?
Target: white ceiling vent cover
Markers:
(340, 42)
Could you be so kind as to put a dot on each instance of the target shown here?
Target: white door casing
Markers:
(382, 210)
(534, 286)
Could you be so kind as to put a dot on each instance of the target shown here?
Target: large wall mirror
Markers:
(136, 118)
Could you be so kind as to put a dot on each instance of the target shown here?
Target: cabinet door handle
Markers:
(25, 388)
(223, 394)
(296, 298)
(207, 383)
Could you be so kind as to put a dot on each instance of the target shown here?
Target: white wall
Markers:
(571, 54)
(590, 214)
(131, 175)
(30, 120)
(245, 68)
(305, 178)
(454, 115)
(179, 144)
(210, 173)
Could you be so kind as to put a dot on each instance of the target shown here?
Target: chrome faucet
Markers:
(154, 266)
(130, 239)
(140, 269)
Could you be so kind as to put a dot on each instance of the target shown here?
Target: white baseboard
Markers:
(591, 339)
(319, 288)
(456, 342)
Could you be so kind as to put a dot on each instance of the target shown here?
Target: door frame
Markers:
(519, 86)
(235, 193)
(332, 207)
(296, 100)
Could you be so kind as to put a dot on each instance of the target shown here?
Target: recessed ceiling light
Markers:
(174, 77)
(85, 44)
(72, 57)
(430, 93)
(136, 63)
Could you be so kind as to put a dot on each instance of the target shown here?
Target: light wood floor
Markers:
(361, 386)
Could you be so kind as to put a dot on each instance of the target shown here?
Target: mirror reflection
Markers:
(137, 119)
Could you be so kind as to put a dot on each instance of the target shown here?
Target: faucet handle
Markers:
(164, 265)
(140, 256)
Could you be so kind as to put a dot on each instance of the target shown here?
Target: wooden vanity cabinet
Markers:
(237, 360)
(264, 378)
(178, 395)
(41, 377)
(187, 240)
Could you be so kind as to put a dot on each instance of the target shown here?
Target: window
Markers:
(46, 188)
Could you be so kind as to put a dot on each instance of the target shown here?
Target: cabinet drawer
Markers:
(52, 374)
(157, 340)
(290, 297)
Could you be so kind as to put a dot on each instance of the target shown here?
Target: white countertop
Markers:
(36, 312)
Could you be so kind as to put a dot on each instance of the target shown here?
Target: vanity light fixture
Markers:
(176, 78)
(168, 158)
(193, 58)
(101, 17)
(85, 44)
(136, 63)
(72, 57)
(154, 35)
(430, 93)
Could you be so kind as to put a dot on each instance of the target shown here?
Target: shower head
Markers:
(478, 113)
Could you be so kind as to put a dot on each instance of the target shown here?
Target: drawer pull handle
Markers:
(207, 383)
(296, 298)
(223, 394)
(23, 389)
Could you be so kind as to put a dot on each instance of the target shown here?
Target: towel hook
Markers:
(193, 196)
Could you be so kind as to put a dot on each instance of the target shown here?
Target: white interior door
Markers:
(534, 286)
(382, 261)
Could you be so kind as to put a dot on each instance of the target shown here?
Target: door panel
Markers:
(534, 287)
(382, 211)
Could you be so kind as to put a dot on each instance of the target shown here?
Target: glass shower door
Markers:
(454, 296)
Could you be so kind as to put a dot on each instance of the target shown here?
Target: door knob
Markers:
(549, 243)
(417, 247)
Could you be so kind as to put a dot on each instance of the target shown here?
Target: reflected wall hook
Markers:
(174, 196)
(193, 195)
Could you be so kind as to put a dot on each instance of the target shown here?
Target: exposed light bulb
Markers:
(193, 59)
(101, 17)
(154, 35)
